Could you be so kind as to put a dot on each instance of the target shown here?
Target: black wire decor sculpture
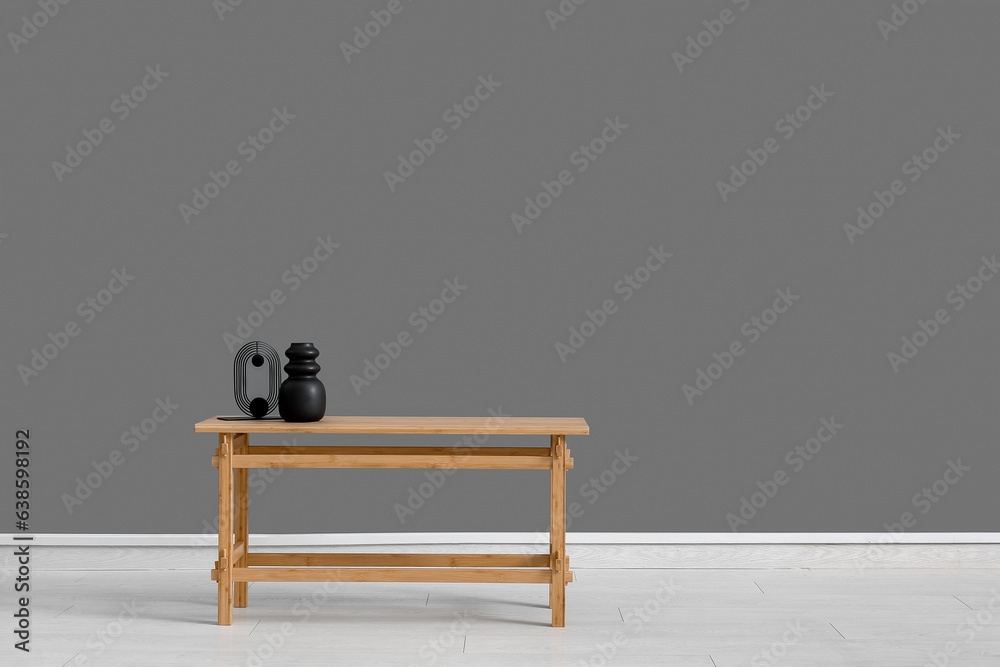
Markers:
(256, 353)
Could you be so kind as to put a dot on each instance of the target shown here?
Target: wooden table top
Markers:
(459, 425)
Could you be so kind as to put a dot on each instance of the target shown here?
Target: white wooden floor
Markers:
(690, 617)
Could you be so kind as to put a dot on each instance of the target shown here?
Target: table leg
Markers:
(226, 441)
(557, 530)
(242, 517)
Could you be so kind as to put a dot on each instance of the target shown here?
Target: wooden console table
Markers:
(237, 565)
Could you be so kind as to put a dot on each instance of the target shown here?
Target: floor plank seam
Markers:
(896, 618)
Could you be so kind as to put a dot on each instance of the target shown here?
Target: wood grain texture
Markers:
(409, 450)
(370, 575)
(454, 425)
(397, 560)
(388, 461)
(241, 520)
(558, 558)
(366, 574)
(225, 580)
(234, 453)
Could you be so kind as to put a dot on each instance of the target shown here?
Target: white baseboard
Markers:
(359, 539)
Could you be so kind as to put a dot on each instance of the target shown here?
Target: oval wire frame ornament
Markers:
(257, 353)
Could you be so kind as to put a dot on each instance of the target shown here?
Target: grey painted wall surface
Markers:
(743, 153)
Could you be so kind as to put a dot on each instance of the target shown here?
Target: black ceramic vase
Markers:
(302, 397)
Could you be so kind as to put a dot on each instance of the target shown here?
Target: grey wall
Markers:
(856, 293)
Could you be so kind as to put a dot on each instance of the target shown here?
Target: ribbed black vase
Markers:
(302, 396)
